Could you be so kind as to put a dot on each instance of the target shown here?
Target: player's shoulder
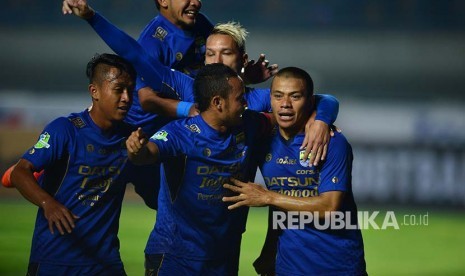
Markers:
(339, 144)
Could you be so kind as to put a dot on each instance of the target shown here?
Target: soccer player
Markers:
(226, 45)
(297, 185)
(195, 233)
(83, 158)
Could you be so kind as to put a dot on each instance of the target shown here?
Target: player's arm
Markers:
(6, 178)
(252, 194)
(141, 151)
(317, 131)
(122, 44)
(151, 102)
(22, 177)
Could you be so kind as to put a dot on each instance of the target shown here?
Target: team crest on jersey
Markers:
(194, 128)
(78, 122)
(43, 141)
(207, 152)
(90, 148)
(304, 163)
(178, 56)
(160, 33)
(268, 157)
(240, 140)
(161, 135)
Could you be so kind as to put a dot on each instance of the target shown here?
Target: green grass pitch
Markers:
(435, 249)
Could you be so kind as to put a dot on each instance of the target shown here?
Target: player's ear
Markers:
(245, 59)
(94, 92)
(217, 102)
(163, 3)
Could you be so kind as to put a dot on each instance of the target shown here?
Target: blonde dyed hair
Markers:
(234, 30)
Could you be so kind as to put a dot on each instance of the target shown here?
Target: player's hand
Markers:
(317, 135)
(79, 8)
(265, 265)
(58, 216)
(260, 71)
(194, 111)
(136, 141)
(249, 194)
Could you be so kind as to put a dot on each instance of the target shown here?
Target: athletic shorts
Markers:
(164, 264)
(45, 269)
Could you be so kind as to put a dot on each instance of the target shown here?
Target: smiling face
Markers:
(182, 13)
(221, 48)
(290, 103)
(111, 96)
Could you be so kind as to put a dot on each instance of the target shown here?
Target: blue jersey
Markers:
(84, 169)
(192, 220)
(176, 85)
(183, 50)
(311, 251)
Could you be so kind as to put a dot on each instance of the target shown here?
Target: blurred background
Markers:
(396, 66)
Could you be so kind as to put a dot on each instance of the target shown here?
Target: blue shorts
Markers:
(45, 269)
(164, 264)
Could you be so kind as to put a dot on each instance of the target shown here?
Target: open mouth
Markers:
(191, 13)
(123, 108)
(286, 116)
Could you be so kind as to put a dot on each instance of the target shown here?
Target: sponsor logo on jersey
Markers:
(43, 141)
(78, 122)
(161, 135)
(286, 161)
(194, 128)
(160, 33)
(335, 180)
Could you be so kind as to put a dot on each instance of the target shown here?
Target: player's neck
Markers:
(289, 133)
(100, 121)
(214, 122)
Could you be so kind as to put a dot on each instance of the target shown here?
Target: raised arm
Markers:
(149, 68)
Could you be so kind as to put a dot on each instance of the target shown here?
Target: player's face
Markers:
(113, 96)
(290, 104)
(222, 48)
(234, 104)
(182, 13)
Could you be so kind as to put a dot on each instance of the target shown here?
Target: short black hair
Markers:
(157, 4)
(294, 72)
(212, 80)
(112, 61)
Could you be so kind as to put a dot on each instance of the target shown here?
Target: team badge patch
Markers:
(304, 163)
(160, 33)
(161, 135)
(268, 157)
(207, 152)
(43, 141)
